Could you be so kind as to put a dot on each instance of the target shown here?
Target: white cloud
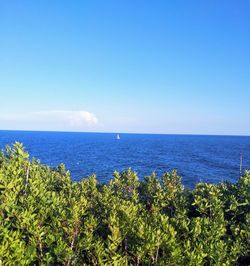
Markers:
(68, 119)
(74, 118)
(77, 118)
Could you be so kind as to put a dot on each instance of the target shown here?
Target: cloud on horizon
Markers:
(68, 119)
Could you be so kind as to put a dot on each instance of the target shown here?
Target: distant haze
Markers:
(125, 66)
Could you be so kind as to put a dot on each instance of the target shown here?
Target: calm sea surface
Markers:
(205, 158)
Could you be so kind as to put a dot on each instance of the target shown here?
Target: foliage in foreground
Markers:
(47, 219)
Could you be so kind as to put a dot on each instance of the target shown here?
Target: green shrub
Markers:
(47, 219)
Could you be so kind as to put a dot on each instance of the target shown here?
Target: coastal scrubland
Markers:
(46, 218)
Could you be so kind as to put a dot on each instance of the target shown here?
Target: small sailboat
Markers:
(117, 136)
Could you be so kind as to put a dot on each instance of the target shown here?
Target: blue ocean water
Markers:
(196, 157)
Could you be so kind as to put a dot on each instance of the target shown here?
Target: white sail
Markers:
(118, 136)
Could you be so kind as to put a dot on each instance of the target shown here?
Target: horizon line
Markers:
(132, 133)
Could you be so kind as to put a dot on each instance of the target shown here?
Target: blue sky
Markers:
(125, 66)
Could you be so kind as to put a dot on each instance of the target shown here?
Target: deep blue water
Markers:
(206, 158)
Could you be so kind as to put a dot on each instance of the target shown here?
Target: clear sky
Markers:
(125, 66)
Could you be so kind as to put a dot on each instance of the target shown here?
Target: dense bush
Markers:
(47, 219)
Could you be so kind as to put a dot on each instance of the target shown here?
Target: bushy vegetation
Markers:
(47, 219)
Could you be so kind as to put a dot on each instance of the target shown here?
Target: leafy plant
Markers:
(47, 219)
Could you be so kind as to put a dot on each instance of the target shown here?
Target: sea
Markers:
(196, 158)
